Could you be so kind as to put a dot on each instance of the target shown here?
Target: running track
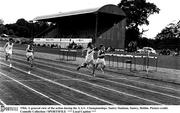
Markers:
(58, 83)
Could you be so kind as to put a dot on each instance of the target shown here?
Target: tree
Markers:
(137, 12)
(169, 37)
(11, 32)
(3, 28)
(171, 31)
(23, 31)
(23, 28)
(22, 22)
(1, 21)
(165, 34)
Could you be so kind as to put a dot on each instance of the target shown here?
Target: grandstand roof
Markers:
(107, 9)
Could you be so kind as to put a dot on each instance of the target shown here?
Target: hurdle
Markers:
(114, 60)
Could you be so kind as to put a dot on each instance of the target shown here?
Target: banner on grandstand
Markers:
(61, 40)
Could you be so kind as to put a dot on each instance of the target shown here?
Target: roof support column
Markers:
(96, 29)
(32, 29)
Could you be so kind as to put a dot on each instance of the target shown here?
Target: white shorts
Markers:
(29, 54)
(89, 60)
(8, 52)
(101, 61)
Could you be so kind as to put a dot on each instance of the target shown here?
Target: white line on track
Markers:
(140, 82)
(39, 80)
(122, 84)
(168, 88)
(110, 89)
(105, 101)
(105, 87)
(115, 83)
(172, 96)
(81, 80)
(31, 89)
(2, 102)
(148, 84)
(100, 85)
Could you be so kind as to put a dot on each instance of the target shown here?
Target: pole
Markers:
(156, 62)
(147, 63)
(96, 29)
(32, 30)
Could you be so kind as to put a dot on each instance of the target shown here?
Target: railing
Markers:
(68, 54)
(135, 61)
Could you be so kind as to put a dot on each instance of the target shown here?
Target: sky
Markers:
(11, 10)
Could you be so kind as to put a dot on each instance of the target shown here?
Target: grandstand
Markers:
(103, 25)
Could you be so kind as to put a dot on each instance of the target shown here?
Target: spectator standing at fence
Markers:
(89, 59)
(101, 58)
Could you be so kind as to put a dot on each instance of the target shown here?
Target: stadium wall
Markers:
(114, 37)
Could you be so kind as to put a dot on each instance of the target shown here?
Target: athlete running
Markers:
(101, 58)
(89, 59)
(8, 48)
(30, 54)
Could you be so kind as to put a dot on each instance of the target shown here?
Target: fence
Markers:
(68, 54)
(133, 61)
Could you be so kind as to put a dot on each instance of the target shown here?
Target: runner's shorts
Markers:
(89, 60)
(101, 61)
(8, 51)
(29, 54)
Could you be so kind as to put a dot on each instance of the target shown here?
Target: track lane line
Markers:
(123, 83)
(168, 88)
(110, 89)
(172, 96)
(2, 102)
(31, 89)
(102, 86)
(96, 85)
(62, 85)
